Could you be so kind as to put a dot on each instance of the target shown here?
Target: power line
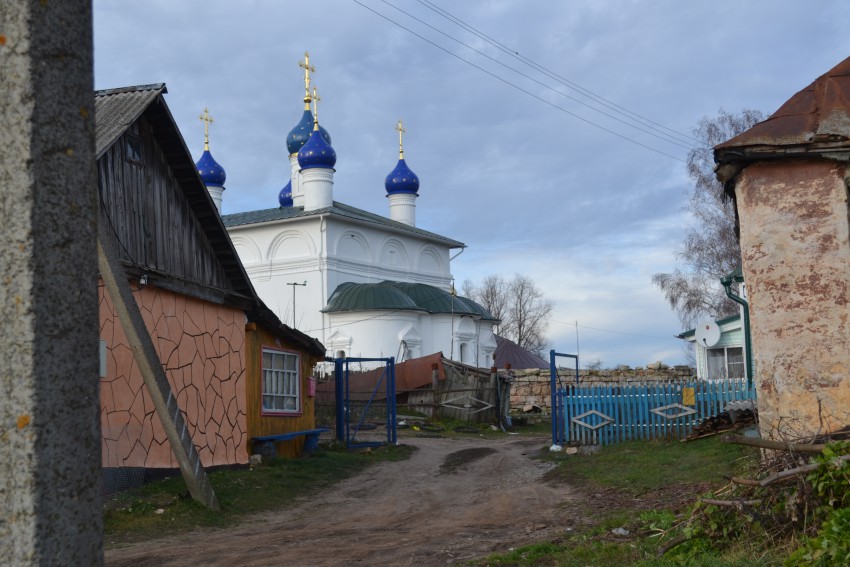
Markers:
(660, 135)
(564, 81)
(519, 88)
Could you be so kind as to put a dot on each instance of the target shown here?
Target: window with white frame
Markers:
(281, 384)
(725, 362)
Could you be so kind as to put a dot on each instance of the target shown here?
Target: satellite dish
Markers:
(708, 334)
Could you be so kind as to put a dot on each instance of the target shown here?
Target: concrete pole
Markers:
(50, 454)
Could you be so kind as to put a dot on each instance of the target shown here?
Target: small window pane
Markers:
(716, 363)
(280, 381)
(735, 361)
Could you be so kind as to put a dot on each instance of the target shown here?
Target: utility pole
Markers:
(293, 284)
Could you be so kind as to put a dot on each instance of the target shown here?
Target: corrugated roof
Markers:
(395, 296)
(116, 109)
(508, 352)
(818, 114)
(337, 209)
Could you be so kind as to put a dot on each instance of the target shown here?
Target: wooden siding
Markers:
(256, 337)
(151, 215)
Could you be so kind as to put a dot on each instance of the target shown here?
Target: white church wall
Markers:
(430, 261)
(394, 255)
(247, 249)
(387, 256)
(372, 333)
(352, 245)
(326, 251)
(290, 244)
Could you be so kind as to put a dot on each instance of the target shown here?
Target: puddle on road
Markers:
(458, 459)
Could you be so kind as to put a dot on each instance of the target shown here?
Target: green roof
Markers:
(396, 296)
(719, 322)
(337, 209)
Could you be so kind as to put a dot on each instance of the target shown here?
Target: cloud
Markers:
(529, 188)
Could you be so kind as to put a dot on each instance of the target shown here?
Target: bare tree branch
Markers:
(521, 307)
(710, 249)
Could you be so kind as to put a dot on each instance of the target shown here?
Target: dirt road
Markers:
(453, 500)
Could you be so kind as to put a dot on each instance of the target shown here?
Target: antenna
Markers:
(707, 334)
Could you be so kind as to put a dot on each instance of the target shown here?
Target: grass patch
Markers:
(458, 428)
(643, 487)
(165, 507)
(639, 467)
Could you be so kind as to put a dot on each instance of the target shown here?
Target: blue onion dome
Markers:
(209, 169)
(299, 135)
(402, 180)
(285, 196)
(317, 152)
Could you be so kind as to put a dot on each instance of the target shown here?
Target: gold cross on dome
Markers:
(207, 120)
(316, 99)
(307, 70)
(400, 129)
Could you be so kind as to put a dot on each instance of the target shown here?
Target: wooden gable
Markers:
(158, 208)
(150, 214)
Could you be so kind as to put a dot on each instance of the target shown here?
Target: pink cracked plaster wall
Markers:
(201, 346)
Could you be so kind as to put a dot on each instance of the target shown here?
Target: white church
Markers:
(364, 284)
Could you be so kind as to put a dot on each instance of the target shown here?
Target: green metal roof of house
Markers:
(719, 322)
(337, 209)
(394, 296)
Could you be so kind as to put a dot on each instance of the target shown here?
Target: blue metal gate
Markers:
(365, 401)
(559, 432)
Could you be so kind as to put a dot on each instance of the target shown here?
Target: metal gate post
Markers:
(553, 402)
(392, 434)
(558, 410)
(339, 382)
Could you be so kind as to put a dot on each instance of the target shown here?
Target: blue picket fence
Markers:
(604, 414)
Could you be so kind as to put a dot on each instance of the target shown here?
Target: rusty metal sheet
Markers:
(820, 112)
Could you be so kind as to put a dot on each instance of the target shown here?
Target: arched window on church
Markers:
(464, 352)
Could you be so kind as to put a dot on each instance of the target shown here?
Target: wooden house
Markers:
(215, 339)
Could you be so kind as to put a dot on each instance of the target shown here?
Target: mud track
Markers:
(453, 500)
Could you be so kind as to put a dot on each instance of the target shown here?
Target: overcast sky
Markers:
(530, 188)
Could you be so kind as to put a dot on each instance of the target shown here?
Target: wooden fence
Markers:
(604, 414)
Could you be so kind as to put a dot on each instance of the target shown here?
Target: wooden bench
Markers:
(265, 443)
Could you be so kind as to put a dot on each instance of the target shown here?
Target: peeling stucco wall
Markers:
(202, 346)
(795, 243)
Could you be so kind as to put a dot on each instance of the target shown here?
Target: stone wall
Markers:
(532, 387)
(201, 345)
